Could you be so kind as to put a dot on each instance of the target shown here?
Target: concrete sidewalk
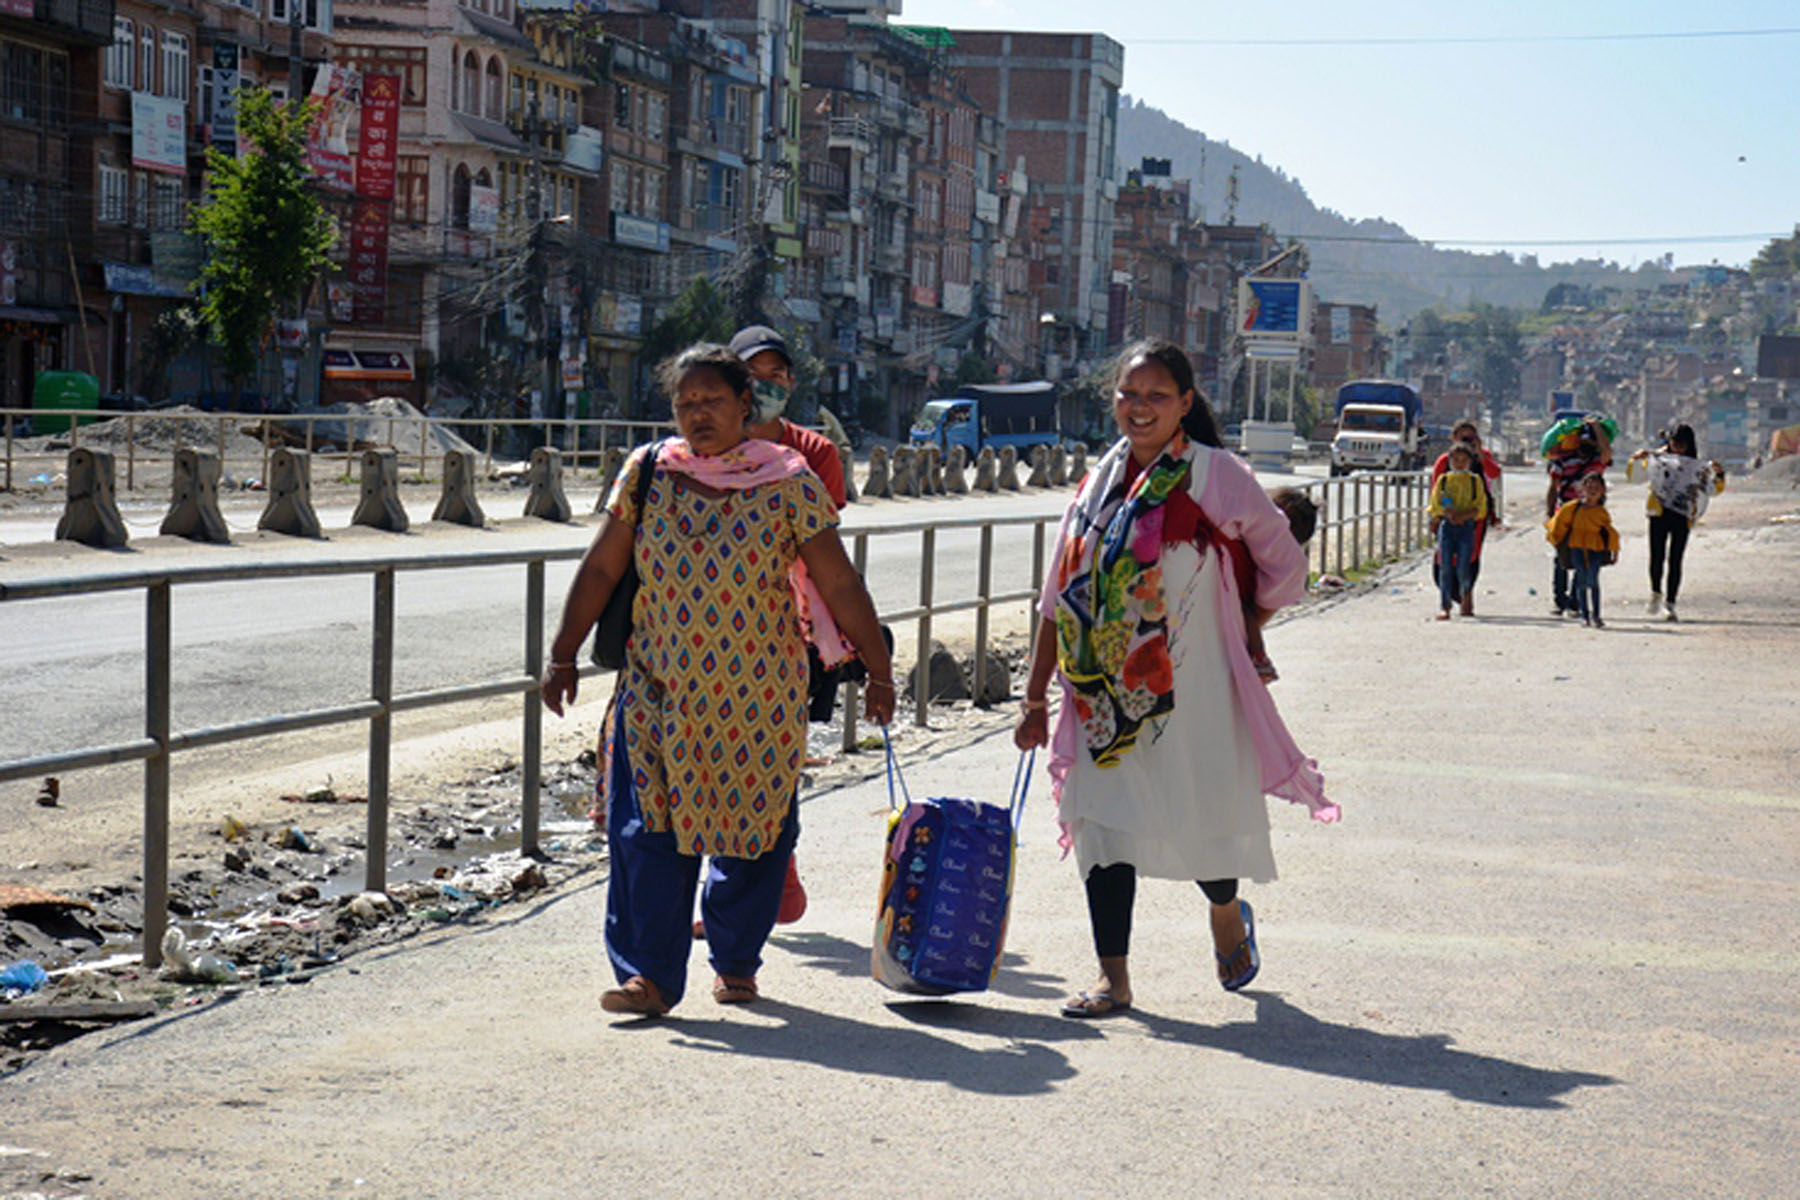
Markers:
(1550, 951)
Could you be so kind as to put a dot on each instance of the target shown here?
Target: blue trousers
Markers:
(650, 895)
(1587, 564)
(1456, 561)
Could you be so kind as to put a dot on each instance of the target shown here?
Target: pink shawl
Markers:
(1238, 507)
(748, 464)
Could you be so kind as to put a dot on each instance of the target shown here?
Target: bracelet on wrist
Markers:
(1030, 705)
(570, 665)
(886, 683)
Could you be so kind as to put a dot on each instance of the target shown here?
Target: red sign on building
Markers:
(378, 137)
(368, 261)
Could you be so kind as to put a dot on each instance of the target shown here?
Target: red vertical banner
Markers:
(368, 261)
(378, 138)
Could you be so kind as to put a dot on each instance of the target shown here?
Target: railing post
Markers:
(1324, 526)
(130, 451)
(1338, 562)
(984, 586)
(533, 755)
(853, 691)
(1387, 492)
(9, 451)
(224, 425)
(922, 669)
(381, 690)
(156, 770)
(424, 428)
(1037, 564)
(487, 465)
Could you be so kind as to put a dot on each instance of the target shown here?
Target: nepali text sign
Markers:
(1273, 308)
(368, 261)
(378, 137)
(641, 232)
(158, 133)
(328, 147)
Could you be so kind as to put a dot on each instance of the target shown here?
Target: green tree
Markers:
(267, 234)
(1780, 259)
(700, 313)
(1499, 352)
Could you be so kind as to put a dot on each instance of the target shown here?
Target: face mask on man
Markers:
(771, 399)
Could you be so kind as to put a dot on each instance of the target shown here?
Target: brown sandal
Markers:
(734, 989)
(637, 996)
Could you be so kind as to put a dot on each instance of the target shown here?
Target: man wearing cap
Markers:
(765, 352)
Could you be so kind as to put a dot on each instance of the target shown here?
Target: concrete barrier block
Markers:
(547, 500)
(1077, 462)
(459, 505)
(1040, 467)
(880, 483)
(290, 508)
(956, 481)
(985, 470)
(847, 461)
(380, 506)
(91, 511)
(931, 471)
(611, 464)
(1059, 467)
(194, 508)
(907, 469)
(1006, 474)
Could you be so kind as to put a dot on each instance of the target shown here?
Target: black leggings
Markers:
(1110, 893)
(1671, 530)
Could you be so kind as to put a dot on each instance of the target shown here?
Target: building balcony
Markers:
(706, 218)
(855, 133)
(894, 186)
(824, 177)
(891, 259)
(824, 243)
(88, 21)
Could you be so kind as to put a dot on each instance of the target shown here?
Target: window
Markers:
(653, 195)
(622, 106)
(113, 203)
(118, 57)
(412, 189)
(470, 99)
(316, 13)
(169, 204)
(140, 199)
(619, 199)
(175, 65)
(495, 90)
(146, 80)
(459, 198)
(565, 197)
(278, 11)
(656, 118)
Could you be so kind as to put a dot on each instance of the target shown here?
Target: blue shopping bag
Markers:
(946, 889)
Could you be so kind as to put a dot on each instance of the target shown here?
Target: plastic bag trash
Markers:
(182, 967)
(293, 839)
(40, 478)
(22, 978)
(232, 829)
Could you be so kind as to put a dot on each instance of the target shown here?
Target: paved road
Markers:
(1549, 951)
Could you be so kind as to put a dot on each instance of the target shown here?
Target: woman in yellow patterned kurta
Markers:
(739, 563)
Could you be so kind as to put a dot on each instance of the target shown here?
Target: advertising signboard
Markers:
(378, 136)
(484, 209)
(641, 232)
(1340, 324)
(1273, 309)
(223, 117)
(328, 148)
(158, 133)
(368, 261)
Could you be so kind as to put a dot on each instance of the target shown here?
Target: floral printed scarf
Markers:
(1112, 625)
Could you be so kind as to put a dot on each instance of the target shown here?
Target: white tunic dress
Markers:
(1186, 802)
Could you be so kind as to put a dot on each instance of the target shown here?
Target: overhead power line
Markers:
(1480, 39)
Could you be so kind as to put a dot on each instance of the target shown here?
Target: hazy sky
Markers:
(1618, 135)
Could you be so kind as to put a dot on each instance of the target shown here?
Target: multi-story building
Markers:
(1056, 96)
(1153, 239)
(50, 58)
(1346, 344)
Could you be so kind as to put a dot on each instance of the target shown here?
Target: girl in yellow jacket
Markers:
(1584, 528)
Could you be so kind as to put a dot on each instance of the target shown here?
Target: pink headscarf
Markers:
(748, 464)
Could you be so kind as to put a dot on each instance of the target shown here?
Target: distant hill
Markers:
(1401, 279)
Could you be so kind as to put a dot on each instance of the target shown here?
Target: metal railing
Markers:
(582, 440)
(1368, 517)
(160, 743)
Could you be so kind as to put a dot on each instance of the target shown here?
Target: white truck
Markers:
(1378, 428)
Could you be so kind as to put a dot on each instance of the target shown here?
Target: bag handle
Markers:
(1015, 801)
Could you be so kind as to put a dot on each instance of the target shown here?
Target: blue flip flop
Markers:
(1249, 943)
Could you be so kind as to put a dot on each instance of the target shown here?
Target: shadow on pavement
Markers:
(1022, 1066)
(826, 952)
(1285, 1036)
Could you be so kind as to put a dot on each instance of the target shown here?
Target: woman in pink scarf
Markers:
(739, 565)
(1166, 741)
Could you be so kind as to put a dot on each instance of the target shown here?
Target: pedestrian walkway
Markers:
(1549, 951)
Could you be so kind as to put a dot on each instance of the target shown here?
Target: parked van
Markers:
(1020, 415)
